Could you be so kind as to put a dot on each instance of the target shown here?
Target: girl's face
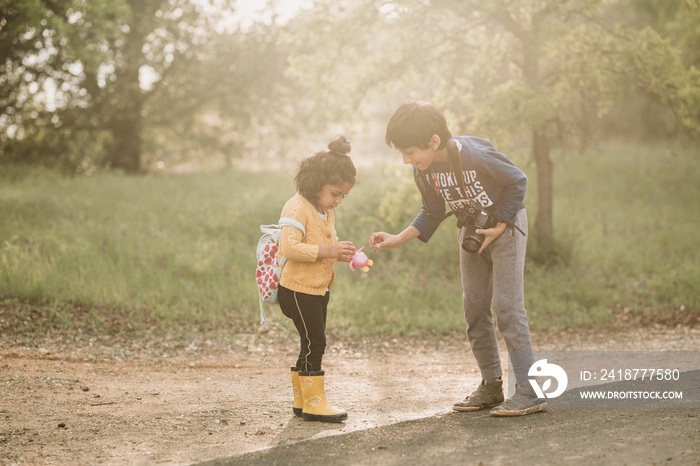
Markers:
(332, 195)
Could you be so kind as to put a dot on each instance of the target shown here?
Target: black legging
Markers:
(308, 312)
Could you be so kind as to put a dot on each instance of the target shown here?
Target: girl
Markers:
(322, 181)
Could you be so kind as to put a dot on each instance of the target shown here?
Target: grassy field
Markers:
(180, 248)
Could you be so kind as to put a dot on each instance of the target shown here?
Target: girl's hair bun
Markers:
(330, 167)
(339, 145)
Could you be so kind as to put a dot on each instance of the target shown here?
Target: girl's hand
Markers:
(342, 251)
(490, 235)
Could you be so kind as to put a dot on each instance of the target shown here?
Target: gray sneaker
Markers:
(488, 395)
(524, 402)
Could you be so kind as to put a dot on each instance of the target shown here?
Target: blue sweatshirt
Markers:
(490, 179)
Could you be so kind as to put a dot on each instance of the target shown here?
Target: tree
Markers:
(128, 83)
(565, 62)
(233, 99)
(41, 42)
(548, 67)
(84, 71)
(676, 25)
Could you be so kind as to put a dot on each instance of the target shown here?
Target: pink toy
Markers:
(360, 260)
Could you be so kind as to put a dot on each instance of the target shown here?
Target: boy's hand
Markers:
(383, 240)
(490, 234)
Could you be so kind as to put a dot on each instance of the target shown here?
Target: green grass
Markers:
(168, 247)
(180, 248)
(627, 220)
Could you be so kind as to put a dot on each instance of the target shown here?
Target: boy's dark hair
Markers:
(414, 123)
(333, 167)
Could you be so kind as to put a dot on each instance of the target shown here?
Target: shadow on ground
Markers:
(573, 436)
(612, 435)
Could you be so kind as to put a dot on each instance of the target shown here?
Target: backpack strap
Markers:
(290, 222)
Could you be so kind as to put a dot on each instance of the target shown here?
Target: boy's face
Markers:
(421, 158)
(332, 195)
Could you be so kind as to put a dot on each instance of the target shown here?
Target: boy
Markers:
(466, 171)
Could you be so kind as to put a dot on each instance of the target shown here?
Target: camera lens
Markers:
(471, 244)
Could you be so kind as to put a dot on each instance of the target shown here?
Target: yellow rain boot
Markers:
(296, 386)
(316, 407)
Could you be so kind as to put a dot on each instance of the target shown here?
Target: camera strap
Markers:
(456, 162)
(456, 165)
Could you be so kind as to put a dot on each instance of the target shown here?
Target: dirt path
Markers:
(93, 404)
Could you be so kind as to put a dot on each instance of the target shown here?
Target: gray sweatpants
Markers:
(495, 278)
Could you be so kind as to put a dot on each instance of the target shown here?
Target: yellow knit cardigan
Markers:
(303, 271)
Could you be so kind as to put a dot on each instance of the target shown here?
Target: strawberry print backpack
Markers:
(269, 269)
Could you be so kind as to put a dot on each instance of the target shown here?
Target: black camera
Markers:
(473, 219)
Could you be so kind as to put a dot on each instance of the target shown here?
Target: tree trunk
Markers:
(125, 122)
(545, 181)
(125, 151)
(544, 235)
